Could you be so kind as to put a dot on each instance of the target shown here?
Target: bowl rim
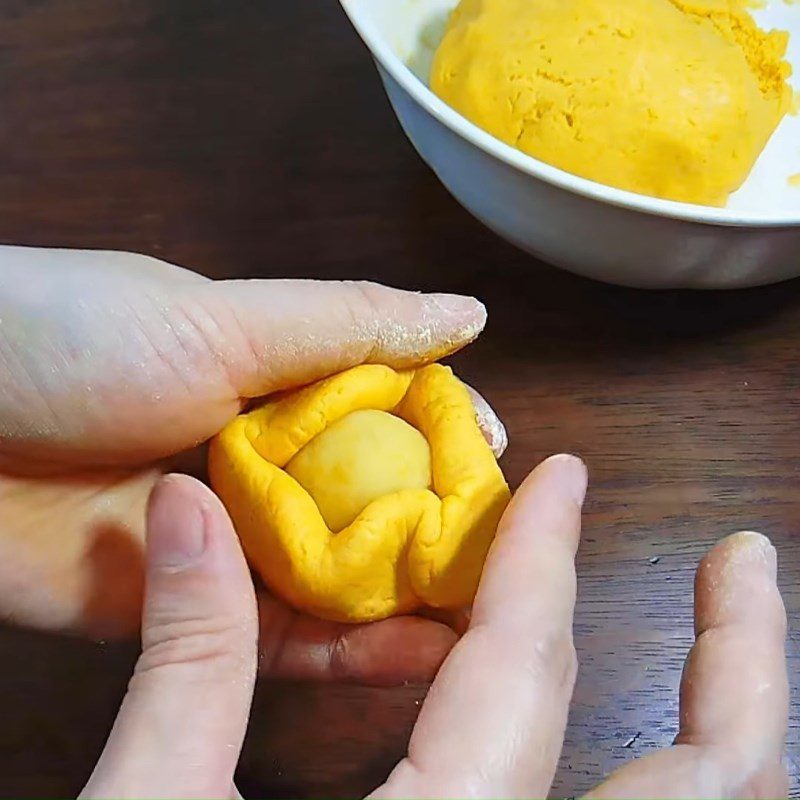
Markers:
(511, 156)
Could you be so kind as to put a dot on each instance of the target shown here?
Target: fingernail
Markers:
(458, 305)
(750, 549)
(492, 428)
(571, 475)
(467, 314)
(176, 534)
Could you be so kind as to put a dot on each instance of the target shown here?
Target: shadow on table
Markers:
(540, 310)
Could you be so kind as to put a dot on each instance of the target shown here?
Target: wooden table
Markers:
(247, 138)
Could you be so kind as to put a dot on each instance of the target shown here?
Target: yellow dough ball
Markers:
(669, 98)
(361, 457)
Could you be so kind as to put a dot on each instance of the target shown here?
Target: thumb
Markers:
(210, 344)
(143, 360)
(250, 338)
(285, 333)
(181, 725)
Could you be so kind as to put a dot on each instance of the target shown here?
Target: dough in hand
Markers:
(369, 494)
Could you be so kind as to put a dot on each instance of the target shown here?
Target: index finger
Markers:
(493, 724)
(734, 692)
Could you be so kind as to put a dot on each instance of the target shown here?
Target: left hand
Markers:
(113, 365)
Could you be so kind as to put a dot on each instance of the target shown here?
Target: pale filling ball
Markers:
(358, 459)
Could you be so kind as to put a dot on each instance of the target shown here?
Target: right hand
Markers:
(493, 723)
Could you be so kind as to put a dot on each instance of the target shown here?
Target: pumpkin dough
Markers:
(358, 459)
(669, 98)
(368, 494)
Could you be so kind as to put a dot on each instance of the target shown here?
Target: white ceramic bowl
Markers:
(603, 233)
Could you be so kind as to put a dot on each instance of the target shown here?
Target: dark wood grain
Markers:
(247, 138)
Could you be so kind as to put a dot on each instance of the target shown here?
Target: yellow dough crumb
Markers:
(358, 459)
(670, 98)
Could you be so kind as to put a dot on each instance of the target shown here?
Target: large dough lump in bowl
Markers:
(669, 98)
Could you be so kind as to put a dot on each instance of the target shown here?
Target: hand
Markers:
(493, 723)
(111, 365)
